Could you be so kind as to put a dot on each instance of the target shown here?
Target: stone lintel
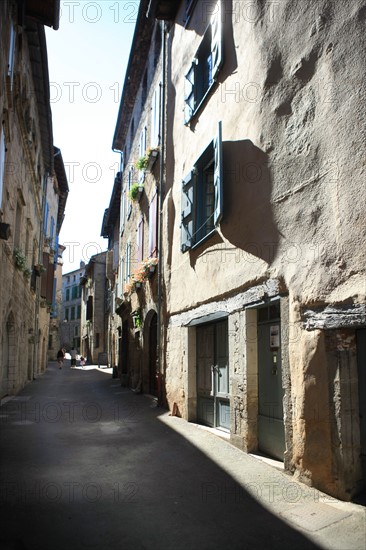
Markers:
(334, 317)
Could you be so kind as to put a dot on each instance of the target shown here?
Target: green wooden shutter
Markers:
(189, 93)
(187, 212)
(216, 41)
(218, 179)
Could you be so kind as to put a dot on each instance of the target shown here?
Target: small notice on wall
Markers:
(274, 336)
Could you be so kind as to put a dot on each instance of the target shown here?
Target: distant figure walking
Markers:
(73, 357)
(60, 357)
(82, 361)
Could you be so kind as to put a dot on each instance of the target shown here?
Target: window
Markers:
(202, 196)
(155, 117)
(2, 162)
(78, 314)
(11, 54)
(72, 314)
(129, 185)
(74, 278)
(205, 67)
(89, 309)
(128, 262)
(18, 225)
(67, 295)
(67, 314)
(75, 292)
(153, 211)
(68, 279)
(52, 231)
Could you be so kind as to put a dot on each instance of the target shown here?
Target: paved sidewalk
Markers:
(87, 464)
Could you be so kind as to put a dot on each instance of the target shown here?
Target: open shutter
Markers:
(218, 179)
(153, 210)
(216, 41)
(140, 240)
(189, 93)
(142, 152)
(122, 210)
(155, 117)
(187, 212)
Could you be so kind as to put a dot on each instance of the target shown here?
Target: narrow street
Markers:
(88, 464)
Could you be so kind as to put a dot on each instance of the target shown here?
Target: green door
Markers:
(213, 394)
(271, 436)
(361, 368)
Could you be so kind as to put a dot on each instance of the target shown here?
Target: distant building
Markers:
(69, 320)
(94, 321)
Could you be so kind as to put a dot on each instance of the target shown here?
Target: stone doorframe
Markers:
(243, 346)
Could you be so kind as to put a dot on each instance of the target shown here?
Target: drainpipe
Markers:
(160, 347)
(38, 279)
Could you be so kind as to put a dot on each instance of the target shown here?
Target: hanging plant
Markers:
(135, 192)
(19, 259)
(142, 163)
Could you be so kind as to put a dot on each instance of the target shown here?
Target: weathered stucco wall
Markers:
(290, 96)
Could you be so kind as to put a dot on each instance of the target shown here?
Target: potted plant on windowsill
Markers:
(142, 163)
(135, 192)
(149, 266)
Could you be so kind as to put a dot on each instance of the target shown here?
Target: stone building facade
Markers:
(94, 320)
(265, 279)
(70, 311)
(27, 184)
(135, 297)
(262, 298)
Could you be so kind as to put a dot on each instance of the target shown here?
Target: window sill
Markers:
(204, 239)
(200, 106)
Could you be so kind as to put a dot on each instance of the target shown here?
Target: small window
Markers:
(67, 295)
(202, 196)
(78, 315)
(75, 292)
(155, 117)
(72, 314)
(68, 279)
(129, 185)
(205, 67)
(67, 314)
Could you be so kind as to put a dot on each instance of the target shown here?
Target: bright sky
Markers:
(87, 59)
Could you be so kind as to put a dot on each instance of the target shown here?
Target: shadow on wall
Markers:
(248, 222)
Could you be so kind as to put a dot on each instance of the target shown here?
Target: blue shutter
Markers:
(218, 179)
(189, 93)
(45, 221)
(187, 212)
(216, 41)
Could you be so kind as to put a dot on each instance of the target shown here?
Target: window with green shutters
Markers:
(202, 195)
(205, 66)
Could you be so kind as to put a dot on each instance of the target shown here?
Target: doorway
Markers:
(361, 369)
(213, 390)
(271, 434)
(153, 344)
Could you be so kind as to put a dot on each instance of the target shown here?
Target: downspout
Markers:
(160, 346)
(38, 279)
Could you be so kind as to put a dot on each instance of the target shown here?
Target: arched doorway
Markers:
(153, 344)
(8, 363)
